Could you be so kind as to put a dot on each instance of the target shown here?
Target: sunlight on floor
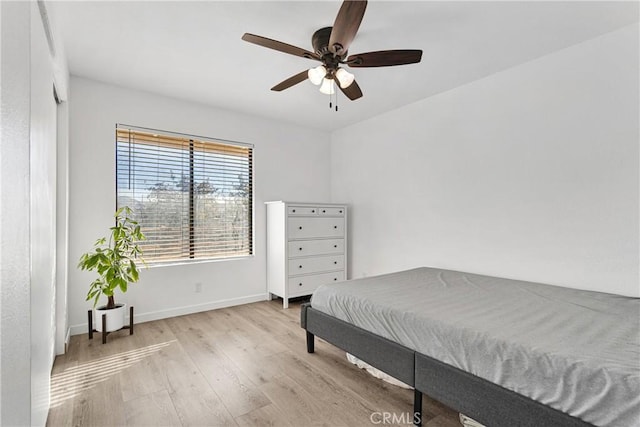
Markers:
(73, 381)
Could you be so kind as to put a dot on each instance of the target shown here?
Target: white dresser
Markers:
(306, 247)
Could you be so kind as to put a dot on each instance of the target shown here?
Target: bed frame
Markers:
(482, 400)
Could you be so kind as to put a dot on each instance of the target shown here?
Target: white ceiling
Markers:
(193, 50)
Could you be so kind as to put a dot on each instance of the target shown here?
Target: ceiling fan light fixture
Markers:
(317, 74)
(345, 78)
(331, 48)
(327, 87)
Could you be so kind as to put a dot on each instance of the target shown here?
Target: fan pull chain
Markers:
(331, 103)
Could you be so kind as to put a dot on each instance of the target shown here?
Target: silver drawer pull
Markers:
(340, 211)
(335, 246)
(323, 211)
(300, 227)
(300, 249)
(299, 266)
(335, 226)
(299, 284)
(335, 279)
(293, 210)
(313, 211)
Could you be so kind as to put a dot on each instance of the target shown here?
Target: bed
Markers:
(503, 352)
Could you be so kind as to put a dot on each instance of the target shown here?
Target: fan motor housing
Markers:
(320, 41)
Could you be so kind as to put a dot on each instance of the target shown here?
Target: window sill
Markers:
(197, 261)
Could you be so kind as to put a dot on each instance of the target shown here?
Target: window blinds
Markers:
(191, 196)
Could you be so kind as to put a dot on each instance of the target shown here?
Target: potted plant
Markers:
(115, 261)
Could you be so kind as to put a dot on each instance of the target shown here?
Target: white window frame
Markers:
(200, 139)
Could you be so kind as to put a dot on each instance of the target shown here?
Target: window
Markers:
(191, 195)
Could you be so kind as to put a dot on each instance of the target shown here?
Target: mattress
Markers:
(575, 351)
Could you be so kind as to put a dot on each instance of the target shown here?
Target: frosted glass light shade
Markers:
(345, 78)
(317, 74)
(327, 87)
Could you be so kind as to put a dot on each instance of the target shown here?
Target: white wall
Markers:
(530, 173)
(15, 367)
(290, 163)
(27, 223)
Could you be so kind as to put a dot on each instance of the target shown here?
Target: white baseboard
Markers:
(180, 311)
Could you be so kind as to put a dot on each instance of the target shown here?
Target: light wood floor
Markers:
(243, 365)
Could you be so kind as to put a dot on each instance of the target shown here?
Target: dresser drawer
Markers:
(331, 211)
(305, 285)
(303, 228)
(315, 264)
(302, 210)
(300, 248)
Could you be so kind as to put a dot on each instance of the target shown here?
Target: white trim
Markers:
(180, 311)
(183, 261)
(44, 15)
(67, 338)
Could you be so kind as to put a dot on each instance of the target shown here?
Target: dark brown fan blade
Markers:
(279, 46)
(384, 58)
(346, 26)
(293, 80)
(352, 92)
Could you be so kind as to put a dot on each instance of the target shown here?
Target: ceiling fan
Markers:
(331, 46)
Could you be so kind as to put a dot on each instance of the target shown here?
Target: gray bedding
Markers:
(576, 351)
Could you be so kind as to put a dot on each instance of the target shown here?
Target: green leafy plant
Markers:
(115, 261)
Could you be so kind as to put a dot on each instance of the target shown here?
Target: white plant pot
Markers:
(115, 317)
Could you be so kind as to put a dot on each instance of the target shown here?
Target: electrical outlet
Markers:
(198, 287)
